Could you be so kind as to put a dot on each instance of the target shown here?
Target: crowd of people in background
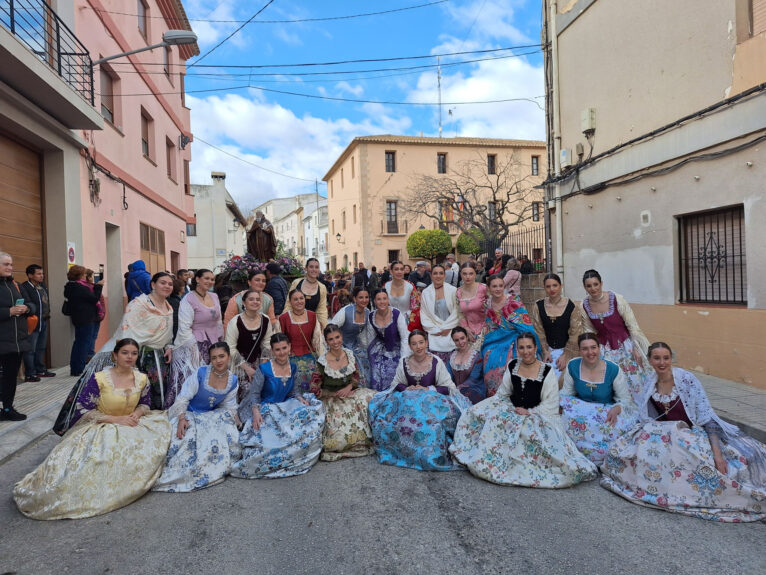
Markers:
(437, 367)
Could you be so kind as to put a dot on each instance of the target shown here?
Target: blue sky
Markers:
(302, 137)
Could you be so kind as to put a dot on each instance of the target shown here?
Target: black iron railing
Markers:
(528, 242)
(50, 39)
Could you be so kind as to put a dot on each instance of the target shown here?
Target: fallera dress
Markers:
(558, 334)
(667, 463)
(467, 376)
(347, 425)
(355, 339)
(499, 345)
(289, 439)
(210, 445)
(306, 345)
(248, 346)
(414, 427)
(585, 405)
(387, 345)
(501, 446)
(618, 333)
(473, 312)
(99, 467)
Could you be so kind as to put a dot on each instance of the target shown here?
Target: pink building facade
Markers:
(134, 173)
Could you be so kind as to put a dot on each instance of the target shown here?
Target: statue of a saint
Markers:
(261, 242)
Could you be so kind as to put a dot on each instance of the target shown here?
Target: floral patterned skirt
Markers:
(307, 365)
(383, 366)
(96, 468)
(347, 426)
(503, 447)
(585, 423)
(287, 443)
(363, 364)
(666, 465)
(414, 428)
(635, 373)
(204, 456)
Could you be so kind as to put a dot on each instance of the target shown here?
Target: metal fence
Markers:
(39, 27)
(527, 241)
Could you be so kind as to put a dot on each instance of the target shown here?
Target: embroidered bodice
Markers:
(594, 391)
(610, 327)
(207, 324)
(527, 392)
(556, 328)
(350, 329)
(208, 397)
(312, 301)
(249, 341)
(118, 402)
(276, 389)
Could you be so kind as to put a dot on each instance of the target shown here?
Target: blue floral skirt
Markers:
(585, 423)
(667, 465)
(288, 442)
(414, 428)
(204, 456)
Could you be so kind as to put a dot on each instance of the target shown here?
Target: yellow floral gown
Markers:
(99, 467)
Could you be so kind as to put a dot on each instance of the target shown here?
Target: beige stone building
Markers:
(369, 186)
(657, 124)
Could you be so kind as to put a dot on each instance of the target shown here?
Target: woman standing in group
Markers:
(111, 457)
(464, 367)
(352, 321)
(609, 316)
(506, 320)
(314, 290)
(472, 299)
(597, 406)
(387, 336)
(256, 281)
(516, 437)
(82, 308)
(439, 314)
(248, 336)
(302, 327)
(413, 422)
(199, 327)
(148, 319)
(558, 324)
(282, 432)
(347, 428)
(205, 444)
(683, 457)
(401, 293)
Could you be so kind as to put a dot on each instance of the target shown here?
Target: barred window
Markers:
(712, 255)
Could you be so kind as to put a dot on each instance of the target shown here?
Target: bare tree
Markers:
(469, 197)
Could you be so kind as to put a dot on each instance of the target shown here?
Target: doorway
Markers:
(113, 274)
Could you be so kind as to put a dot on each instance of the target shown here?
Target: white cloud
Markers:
(269, 135)
(356, 90)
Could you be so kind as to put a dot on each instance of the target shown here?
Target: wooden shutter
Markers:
(759, 17)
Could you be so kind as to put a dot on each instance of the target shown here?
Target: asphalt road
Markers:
(357, 516)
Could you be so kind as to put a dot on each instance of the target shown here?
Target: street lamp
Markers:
(338, 237)
(169, 38)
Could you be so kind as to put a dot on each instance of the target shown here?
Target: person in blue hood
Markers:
(138, 280)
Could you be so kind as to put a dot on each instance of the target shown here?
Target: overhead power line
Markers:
(339, 99)
(236, 157)
(359, 61)
(294, 21)
(214, 48)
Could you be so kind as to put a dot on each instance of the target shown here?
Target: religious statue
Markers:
(261, 242)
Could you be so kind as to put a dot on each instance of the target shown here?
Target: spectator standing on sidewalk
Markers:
(81, 307)
(35, 291)
(374, 283)
(138, 280)
(100, 312)
(361, 278)
(14, 339)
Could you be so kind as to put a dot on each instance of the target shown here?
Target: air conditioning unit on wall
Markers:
(565, 158)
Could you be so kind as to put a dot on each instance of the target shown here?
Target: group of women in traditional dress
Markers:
(540, 400)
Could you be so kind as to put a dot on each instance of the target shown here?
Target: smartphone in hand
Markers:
(20, 301)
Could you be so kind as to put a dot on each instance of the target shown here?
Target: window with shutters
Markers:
(147, 135)
(143, 18)
(170, 159)
(392, 223)
(390, 161)
(107, 95)
(535, 165)
(491, 163)
(712, 257)
(441, 163)
(153, 248)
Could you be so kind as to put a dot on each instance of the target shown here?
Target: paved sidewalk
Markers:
(737, 403)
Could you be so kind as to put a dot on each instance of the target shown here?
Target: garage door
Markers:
(21, 226)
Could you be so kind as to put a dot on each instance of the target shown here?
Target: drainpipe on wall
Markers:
(556, 137)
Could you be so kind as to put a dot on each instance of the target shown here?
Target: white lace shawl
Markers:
(694, 398)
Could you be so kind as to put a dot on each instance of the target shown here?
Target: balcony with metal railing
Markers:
(45, 62)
